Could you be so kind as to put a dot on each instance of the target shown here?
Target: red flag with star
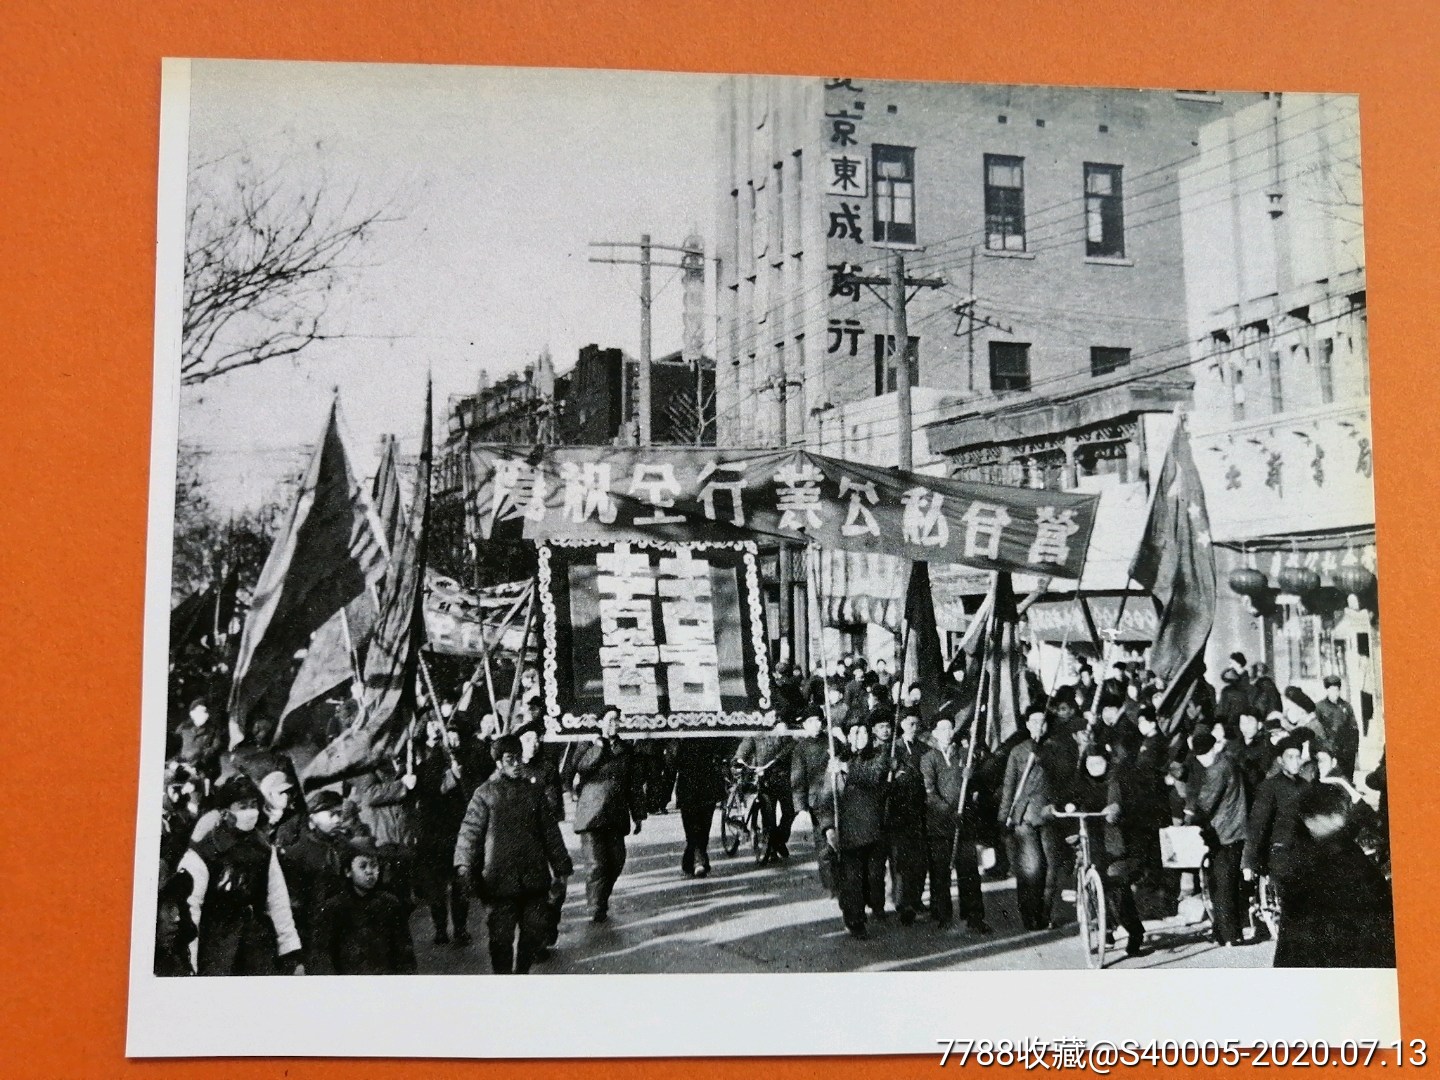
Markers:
(1176, 563)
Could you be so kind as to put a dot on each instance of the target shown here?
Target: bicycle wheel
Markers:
(732, 823)
(1090, 912)
(759, 834)
(1269, 906)
(1205, 898)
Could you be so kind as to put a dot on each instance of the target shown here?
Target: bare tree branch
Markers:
(262, 262)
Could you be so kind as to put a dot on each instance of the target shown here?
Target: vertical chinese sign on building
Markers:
(847, 212)
(671, 634)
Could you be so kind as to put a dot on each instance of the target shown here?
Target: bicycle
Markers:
(1090, 909)
(746, 812)
(1265, 905)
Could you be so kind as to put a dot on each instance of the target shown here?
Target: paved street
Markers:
(747, 920)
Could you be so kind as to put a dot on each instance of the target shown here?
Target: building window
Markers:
(1009, 366)
(885, 363)
(894, 169)
(1104, 212)
(1106, 358)
(1004, 203)
(1277, 387)
(1325, 370)
(1237, 393)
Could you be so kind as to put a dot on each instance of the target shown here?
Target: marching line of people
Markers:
(256, 879)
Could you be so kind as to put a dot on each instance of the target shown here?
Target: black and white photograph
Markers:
(913, 537)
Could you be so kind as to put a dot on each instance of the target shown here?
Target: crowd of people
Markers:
(908, 813)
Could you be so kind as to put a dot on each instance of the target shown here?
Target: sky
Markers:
(500, 178)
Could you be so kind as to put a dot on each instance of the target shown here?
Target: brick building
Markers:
(1046, 358)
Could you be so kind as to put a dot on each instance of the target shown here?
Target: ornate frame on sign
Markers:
(566, 726)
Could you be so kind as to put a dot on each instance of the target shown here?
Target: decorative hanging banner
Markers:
(671, 634)
(688, 494)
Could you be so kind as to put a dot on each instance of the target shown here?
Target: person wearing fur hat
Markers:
(363, 929)
(314, 861)
(239, 901)
(510, 849)
(1342, 731)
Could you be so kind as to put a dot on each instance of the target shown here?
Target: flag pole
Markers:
(520, 659)
(982, 694)
(812, 571)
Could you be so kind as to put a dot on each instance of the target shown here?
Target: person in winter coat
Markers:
(202, 741)
(1271, 832)
(183, 785)
(950, 832)
(1096, 789)
(1264, 694)
(1342, 730)
(363, 929)
(769, 756)
(1036, 848)
(314, 863)
(1146, 801)
(542, 769)
(808, 762)
(510, 849)
(1336, 908)
(699, 789)
(856, 786)
(385, 800)
(905, 819)
(1235, 698)
(173, 929)
(1252, 752)
(610, 804)
(239, 901)
(1218, 806)
(439, 807)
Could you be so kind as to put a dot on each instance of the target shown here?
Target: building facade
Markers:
(1275, 268)
(1043, 230)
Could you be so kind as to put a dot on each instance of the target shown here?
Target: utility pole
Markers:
(900, 357)
(642, 384)
(898, 285)
(646, 262)
(970, 332)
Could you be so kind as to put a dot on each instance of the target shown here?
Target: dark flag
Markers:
(202, 618)
(391, 663)
(1002, 696)
(322, 559)
(924, 659)
(385, 494)
(337, 651)
(1176, 563)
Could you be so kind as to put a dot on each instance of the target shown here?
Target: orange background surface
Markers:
(81, 84)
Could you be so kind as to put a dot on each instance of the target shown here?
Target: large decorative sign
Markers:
(671, 634)
(697, 494)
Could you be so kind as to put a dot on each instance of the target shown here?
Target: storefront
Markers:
(1305, 604)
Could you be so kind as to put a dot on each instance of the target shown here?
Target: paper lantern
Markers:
(1298, 579)
(1247, 581)
(1354, 579)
